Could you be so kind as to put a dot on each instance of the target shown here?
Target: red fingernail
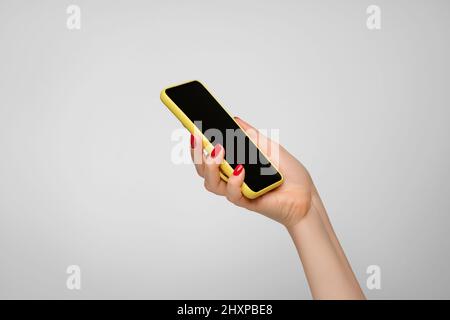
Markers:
(215, 151)
(237, 171)
(192, 141)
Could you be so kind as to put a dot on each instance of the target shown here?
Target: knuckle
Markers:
(196, 160)
(200, 173)
(231, 197)
(208, 161)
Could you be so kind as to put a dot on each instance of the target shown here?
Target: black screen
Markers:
(217, 125)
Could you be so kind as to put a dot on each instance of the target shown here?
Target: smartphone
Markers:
(198, 110)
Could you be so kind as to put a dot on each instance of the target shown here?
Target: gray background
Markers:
(85, 171)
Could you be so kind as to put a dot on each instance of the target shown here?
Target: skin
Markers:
(297, 206)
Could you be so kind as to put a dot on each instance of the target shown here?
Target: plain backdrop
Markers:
(86, 176)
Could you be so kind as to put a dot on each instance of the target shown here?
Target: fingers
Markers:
(213, 182)
(198, 158)
(234, 184)
(208, 166)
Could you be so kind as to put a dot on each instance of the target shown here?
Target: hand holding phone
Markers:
(287, 204)
(201, 113)
(290, 198)
(295, 203)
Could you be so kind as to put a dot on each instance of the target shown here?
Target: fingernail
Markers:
(237, 171)
(216, 151)
(192, 141)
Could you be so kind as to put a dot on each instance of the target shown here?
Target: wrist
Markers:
(303, 223)
(304, 212)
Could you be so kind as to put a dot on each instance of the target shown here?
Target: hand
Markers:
(287, 204)
(295, 204)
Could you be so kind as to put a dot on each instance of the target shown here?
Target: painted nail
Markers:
(237, 171)
(216, 151)
(192, 141)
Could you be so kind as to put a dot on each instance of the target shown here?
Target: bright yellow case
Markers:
(226, 169)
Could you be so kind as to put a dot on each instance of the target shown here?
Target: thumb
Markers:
(269, 147)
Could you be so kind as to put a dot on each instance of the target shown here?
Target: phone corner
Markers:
(163, 95)
(281, 181)
(249, 193)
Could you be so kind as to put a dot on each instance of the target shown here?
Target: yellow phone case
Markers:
(226, 169)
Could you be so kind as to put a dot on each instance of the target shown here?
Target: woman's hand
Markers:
(287, 204)
(297, 205)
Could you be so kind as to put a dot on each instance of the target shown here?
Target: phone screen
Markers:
(219, 128)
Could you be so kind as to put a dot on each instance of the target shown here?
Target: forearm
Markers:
(326, 268)
(327, 224)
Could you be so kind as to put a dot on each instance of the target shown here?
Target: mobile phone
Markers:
(198, 110)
